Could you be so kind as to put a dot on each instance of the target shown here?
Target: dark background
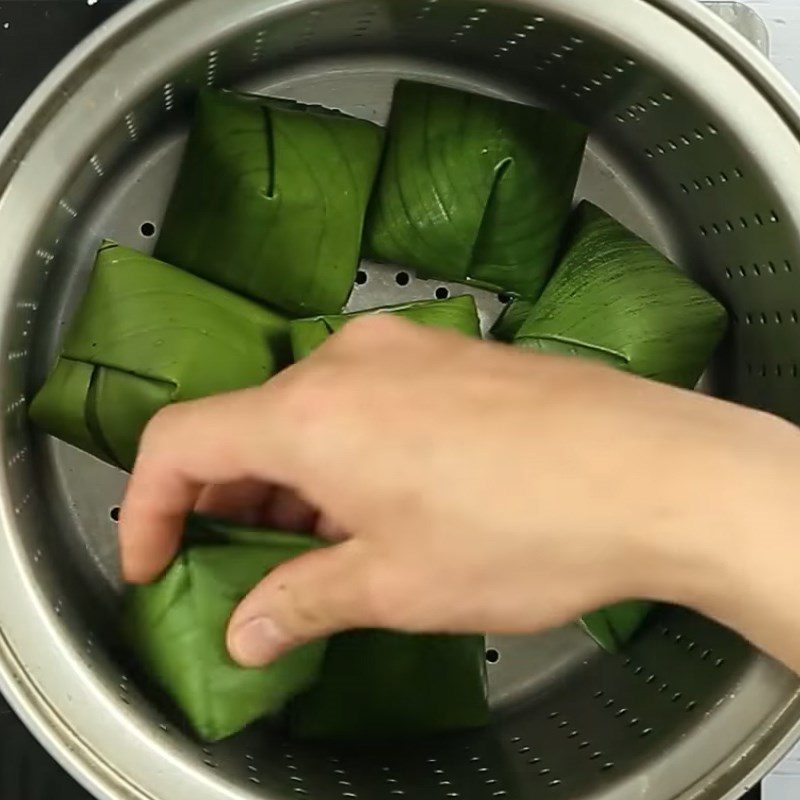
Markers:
(34, 36)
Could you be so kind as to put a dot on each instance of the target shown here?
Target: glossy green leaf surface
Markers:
(474, 189)
(177, 629)
(615, 298)
(614, 626)
(270, 200)
(147, 334)
(455, 313)
(511, 320)
(385, 685)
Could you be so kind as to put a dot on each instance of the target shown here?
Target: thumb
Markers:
(319, 593)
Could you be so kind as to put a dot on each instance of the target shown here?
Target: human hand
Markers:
(467, 486)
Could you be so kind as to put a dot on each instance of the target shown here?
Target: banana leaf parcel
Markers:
(146, 335)
(456, 313)
(177, 629)
(473, 189)
(270, 200)
(617, 300)
(511, 320)
(384, 685)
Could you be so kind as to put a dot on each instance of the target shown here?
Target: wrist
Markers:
(726, 548)
(758, 593)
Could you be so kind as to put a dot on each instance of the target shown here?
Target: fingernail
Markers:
(257, 642)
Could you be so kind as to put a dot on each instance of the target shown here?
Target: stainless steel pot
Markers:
(695, 144)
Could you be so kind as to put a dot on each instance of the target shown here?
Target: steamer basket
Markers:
(694, 144)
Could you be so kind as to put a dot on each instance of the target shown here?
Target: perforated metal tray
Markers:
(691, 711)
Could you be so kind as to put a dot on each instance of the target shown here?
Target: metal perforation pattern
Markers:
(691, 711)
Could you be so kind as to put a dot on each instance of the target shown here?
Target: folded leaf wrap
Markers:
(270, 200)
(511, 320)
(177, 628)
(456, 313)
(147, 334)
(616, 299)
(473, 189)
(384, 685)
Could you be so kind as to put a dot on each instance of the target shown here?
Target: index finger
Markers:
(185, 448)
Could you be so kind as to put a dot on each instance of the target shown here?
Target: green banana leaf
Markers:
(455, 313)
(270, 200)
(146, 335)
(473, 189)
(614, 626)
(176, 628)
(616, 299)
(385, 685)
(511, 320)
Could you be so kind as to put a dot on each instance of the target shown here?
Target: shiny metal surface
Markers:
(691, 712)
